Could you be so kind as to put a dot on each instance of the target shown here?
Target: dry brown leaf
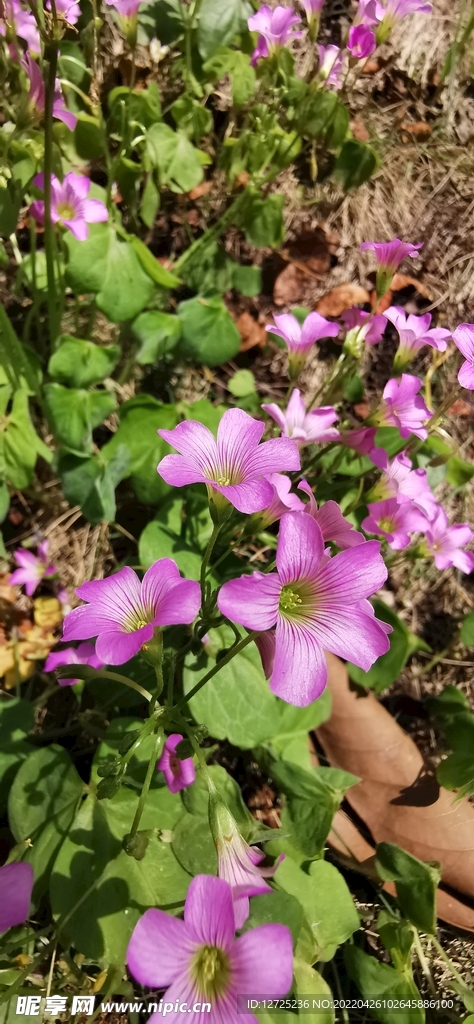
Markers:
(308, 257)
(251, 332)
(47, 612)
(398, 799)
(420, 129)
(341, 298)
(359, 130)
(201, 190)
(461, 408)
(371, 67)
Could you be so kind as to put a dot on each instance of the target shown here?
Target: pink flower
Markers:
(300, 339)
(237, 862)
(361, 327)
(361, 42)
(395, 10)
(67, 9)
(402, 482)
(333, 525)
(198, 959)
(445, 543)
(367, 13)
(69, 204)
(236, 466)
(37, 94)
(33, 568)
(361, 440)
(312, 7)
(283, 501)
(16, 885)
(82, 655)
(178, 773)
(330, 66)
(316, 603)
(303, 426)
(394, 522)
(389, 256)
(23, 23)
(275, 29)
(125, 8)
(414, 334)
(464, 339)
(403, 407)
(122, 612)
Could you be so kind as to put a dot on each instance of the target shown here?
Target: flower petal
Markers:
(237, 435)
(94, 211)
(263, 961)
(252, 601)
(466, 375)
(272, 457)
(196, 444)
(116, 647)
(180, 605)
(352, 575)
(300, 671)
(78, 228)
(249, 496)
(276, 414)
(208, 912)
(158, 580)
(78, 183)
(115, 600)
(351, 634)
(300, 547)
(159, 950)
(16, 884)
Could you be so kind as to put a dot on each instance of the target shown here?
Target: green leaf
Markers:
(263, 221)
(456, 772)
(209, 334)
(91, 483)
(196, 797)
(449, 703)
(466, 635)
(89, 137)
(73, 414)
(236, 64)
(152, 266)
(310, 983)
(16, 721)
(242, 384)
(415, 882)
(326, 901)
(355, 164)
(158, 334)
(158, 541)
(276, 908)
(20, 444)
(312, 799)
(92, 852)
(403, 643)
(192, 117)
(142, 105)
(219, 22)
(150, 202)
(82, 363)
(377, 981)
(175, 157)
(458, 471)
(140, 419)
(110, 269)
(398, 937)
(193, 845)
(236, 704)
(116, 731)
(247, 280)
(10, 203)
(13, 356)
(42, 805)
(321, 115)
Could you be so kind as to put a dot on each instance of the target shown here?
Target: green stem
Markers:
(423, 962)
(217, 667)
(103, 674)
(205, 562)
(455, 973)
(146, 784)
(51, 54)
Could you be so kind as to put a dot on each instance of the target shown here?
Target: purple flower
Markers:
(333, 525)
(361, 42)
(414, 334)
(368, 13)
(275, 29)
(361, 440)
(464, 339)
(389, 256)
(67, 9)
(16, 884)
(237, 862)
(393, 11)
(82, 655)
(394, 522)
(403, 407)
(235, 466)
(69, 204)
(361, 327)
(178, 773)
(402, 482)
(312, 7)
(23, 23)
(36, 94)
(198, 959)
(283, 501)
(330, 66)
(303, 426)
(125, 8)
(300, 339)
(316, 603)
(445, 543)
(33, 568)
(122, 612)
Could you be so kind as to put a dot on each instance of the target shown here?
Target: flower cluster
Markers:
(70, 205)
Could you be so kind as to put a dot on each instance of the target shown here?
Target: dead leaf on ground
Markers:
(362, 410)
(251, 332)
(308, 257)
(47, 612)
(461, 408)
(371, 67)
(341, 298)
(398, 799)
(420, 129)
(359, 130)
(201, 190)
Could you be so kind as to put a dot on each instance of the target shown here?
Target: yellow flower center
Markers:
(210, 970)
(290, 600)
(387, 525)
(66, 211)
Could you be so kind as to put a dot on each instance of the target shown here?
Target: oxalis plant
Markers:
(227, 652)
